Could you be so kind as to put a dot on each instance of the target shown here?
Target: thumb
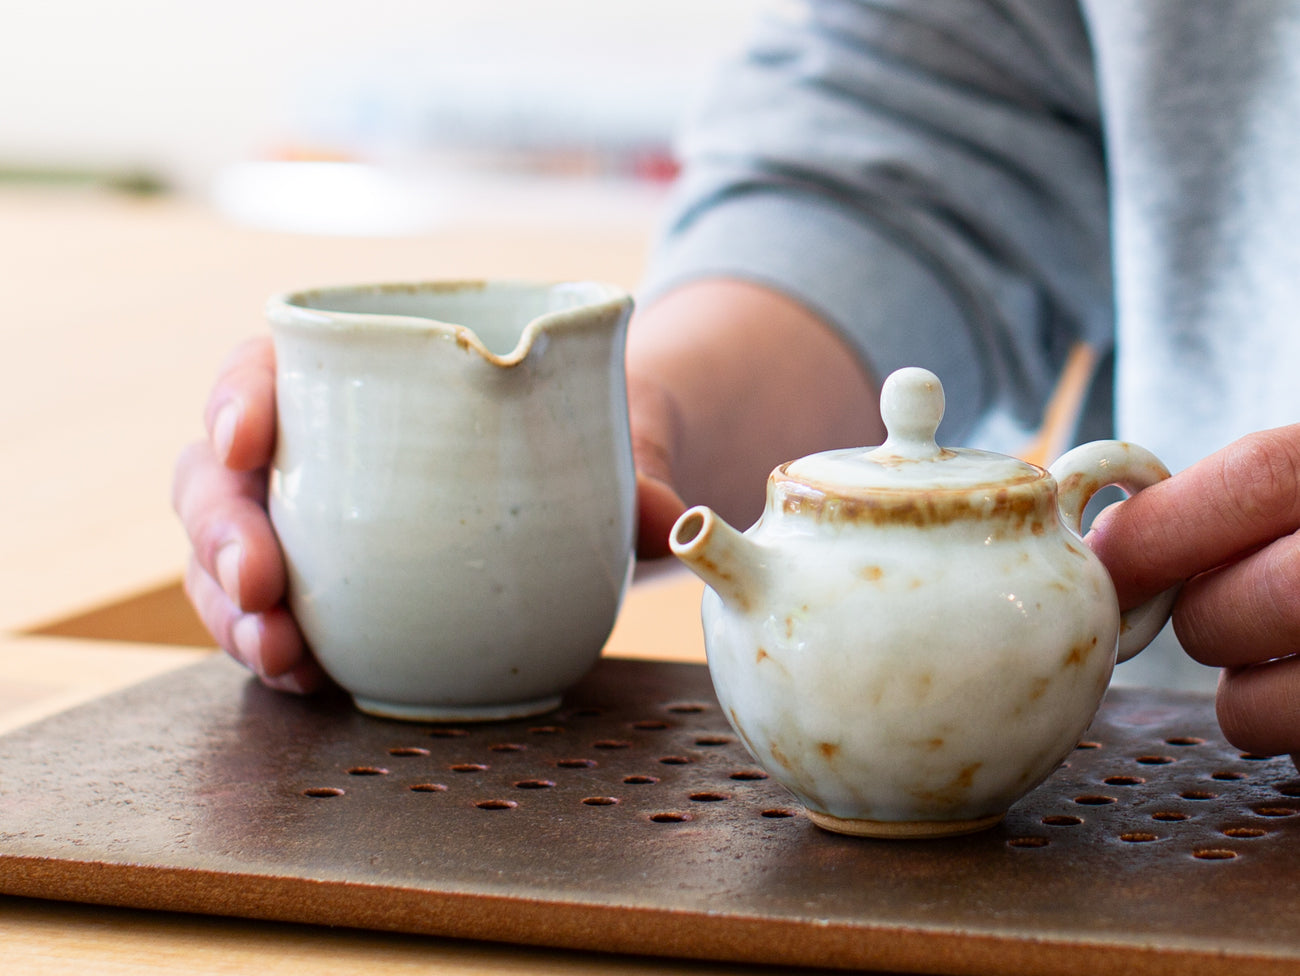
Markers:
(656, 428)
(658, 506)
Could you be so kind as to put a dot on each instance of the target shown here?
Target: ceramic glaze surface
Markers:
(453, 489)
(911, 638)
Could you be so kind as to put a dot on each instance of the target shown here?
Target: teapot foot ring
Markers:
(902, 829)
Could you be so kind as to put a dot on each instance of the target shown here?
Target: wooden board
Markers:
(633, 821)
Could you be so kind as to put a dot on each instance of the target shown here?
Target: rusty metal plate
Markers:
(632, 820)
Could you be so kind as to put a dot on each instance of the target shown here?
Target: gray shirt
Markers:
(975, 186)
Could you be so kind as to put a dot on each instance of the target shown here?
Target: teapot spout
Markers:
(724, 558)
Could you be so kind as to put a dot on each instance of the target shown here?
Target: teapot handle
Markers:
(1083, 472)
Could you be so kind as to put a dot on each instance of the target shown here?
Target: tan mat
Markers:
(633, 821)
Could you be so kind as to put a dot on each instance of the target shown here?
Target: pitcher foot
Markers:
(456, 713)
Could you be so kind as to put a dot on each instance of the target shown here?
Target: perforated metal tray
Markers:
(631, 820)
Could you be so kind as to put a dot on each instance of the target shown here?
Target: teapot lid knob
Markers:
(911, 405)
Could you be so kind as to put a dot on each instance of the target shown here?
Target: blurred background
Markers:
(165, 165)
(333, 116)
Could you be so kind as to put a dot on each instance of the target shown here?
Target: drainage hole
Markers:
(687, 708)
(506, 747)
(670, 817)
(448, 733)
(600, 801)
(709, 797)
(650, 725)
(534, 784)
(1095, 800)
(428, 788)
(749, 775)
(1168, 816)
(545, 730)
(469, 768)
(778, 813)
(322, 792)
(1185, 740)
(1214, 854)
(576, 763)
(1226, 776)
(675, 760)
(1244, 832)
(1289, 789)
(1275, 811)
(611, 744)
(1062, 821)
(1123, 781)
(1255, 757)
(1028, 842)
(1088, 744)
(1138, 837)
(713, 740)
(408, 751)
(496, 804)
(1198, 795)
(1155, 760)
(640, 780)
(367, 771)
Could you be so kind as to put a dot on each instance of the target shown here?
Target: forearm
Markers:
(744, 378)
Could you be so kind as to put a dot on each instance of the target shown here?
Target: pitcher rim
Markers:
(286, 310)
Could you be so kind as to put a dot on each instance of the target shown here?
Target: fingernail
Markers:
(223, 430)
(289, 682)
(247, 635)
(229, 557)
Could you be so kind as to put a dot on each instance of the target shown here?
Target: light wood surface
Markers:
(45, 939)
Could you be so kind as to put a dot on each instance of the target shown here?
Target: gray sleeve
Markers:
(927, 175)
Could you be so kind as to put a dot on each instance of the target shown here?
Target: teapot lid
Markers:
(911, 405)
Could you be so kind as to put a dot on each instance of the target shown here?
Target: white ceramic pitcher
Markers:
(453, 488)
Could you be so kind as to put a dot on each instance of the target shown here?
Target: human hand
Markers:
(236, 574)
(1228, 526)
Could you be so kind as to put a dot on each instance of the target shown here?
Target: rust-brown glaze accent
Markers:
(1083, 482)
(1016, 505)
(740, 731)
(1080, 653)
(186, 794)
(781, 758)
(829, 750)
(736, 594)
(872, 574)
(922, 685)
(953, 793)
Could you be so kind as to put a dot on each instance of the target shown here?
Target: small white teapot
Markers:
(912, 637)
